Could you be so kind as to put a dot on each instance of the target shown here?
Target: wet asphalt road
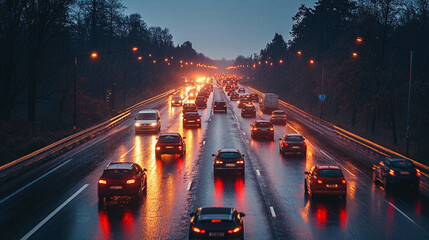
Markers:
(63, 204)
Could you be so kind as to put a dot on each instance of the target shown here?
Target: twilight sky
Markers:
(220, 28)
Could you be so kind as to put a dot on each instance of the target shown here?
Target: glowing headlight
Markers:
(137, 124)
(153, 124)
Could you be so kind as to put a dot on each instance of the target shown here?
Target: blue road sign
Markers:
(322, 97)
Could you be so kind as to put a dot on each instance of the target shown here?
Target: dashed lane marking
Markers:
(34, 181)
(326, 155)
(273, 213)
(204, 142)
(244, 133)
(189, 186)
(38, 226)
(405, 215)
(123, 155)
(293, 128)
(258, 173)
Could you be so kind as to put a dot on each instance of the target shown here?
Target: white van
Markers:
(148, 120)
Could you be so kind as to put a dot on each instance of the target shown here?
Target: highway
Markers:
(61, 202)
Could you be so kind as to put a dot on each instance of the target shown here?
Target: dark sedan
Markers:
(243, 101)
(219, 106)
(191, 119)
(248, 111)
(254, 97)
(216, 222)
(228, 160)
(396, 171)
(293, 143)
(262, 128)
(121, 179)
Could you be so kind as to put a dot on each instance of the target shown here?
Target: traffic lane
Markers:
(162, 206)
(229, 189)
(49, 192)
(316, 216)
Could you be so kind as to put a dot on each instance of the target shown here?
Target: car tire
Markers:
(305, 188)
(386, 184)
(145, 186)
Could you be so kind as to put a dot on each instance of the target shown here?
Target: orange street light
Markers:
(271, 64)
(181, 61)
(355, 54)
(134, 49)
(299, 53)
(94, 55)
(169, 64)
(139, 58)
(266, 62)
(192, 63)
(172, 57)
(254, 65)
(311, 61)
(166, 60)
(150, 55)
(359, 39)
(259, 62)
(154, 61)
(281, 61)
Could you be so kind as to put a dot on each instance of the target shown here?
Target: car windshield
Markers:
(263, 124)
(220, 103)
(294, 138)
(146, 116)
(117, 174)
(401, 164)
(333, 173)
(169, 139)
(225, 155)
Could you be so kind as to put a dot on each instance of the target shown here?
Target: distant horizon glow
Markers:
(222, 28)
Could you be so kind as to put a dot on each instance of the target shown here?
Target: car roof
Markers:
(325, 166)
(216, 210)
(293, 135)
(148, 111)
(228, 150)
(120, 165)
(169, 134)
(279, 111)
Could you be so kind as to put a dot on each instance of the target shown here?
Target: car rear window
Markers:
(169, 139)
(401, 164)
(278, 113)
(117, 173)
(294, 138)
(225, 155)
(226, 211)
(191, 115)
(220, 103)
(146, 116)
(330, 173)
(263, 124)
(223, 217)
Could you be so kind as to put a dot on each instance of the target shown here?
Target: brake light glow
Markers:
(304, 144)
(218, 162)
(418, 173)
(271, 129)
(216, 220)
(392, 172)
(137, 124)
(197, 230)
(319, 181)
(180, 147)
(102, 181)
(255, 128)
(131, 181)
(198, 120)
(240, 162)
(158, 148)
(343, 181)
(237, 229)
(286, 144)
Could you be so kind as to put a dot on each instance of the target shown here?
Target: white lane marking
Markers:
(38, 226)
(34, 181)
(258, 173)
(324, 153)
(349, 172)
(210, 119)
(123, 155)
(293, 128)
(273, 213)
(244, 133)
(204, 142)
(405, 215)
(189, 186)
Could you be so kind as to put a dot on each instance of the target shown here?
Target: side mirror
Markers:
(184, 137)
(250, 124)
(306, 172)
(242, 155)
(191, 214)
(213, 155)
(135, 118)
(144, 169)
(242, 214)
(200, 116)
(280, 139)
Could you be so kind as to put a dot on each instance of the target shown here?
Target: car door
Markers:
(311, 177)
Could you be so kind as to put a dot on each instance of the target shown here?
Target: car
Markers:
(219, 106)
(170, 143)
(176, 101)
(228, 160)
(262, 128)
(201, 102)
(216, 222)
(121, 179)
(191, 119)
(147, 120)
(278, 117)
(325, 180)
(396, 171)
(230, 92)
(234, 96)
(293, 143)
(248, 110)
(189, 107)
(192, 94)
(241, 90)
(243, 101)
(254, 97)
(227, 88)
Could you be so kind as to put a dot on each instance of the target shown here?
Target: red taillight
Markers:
(131, 181)
(343, 181)
(180, 147)
(285, 144)
(216, 220)
(240, 162)
(158, 148)
(218, 162)
(271, 129)
(392, 172)
(319, 181)
(304, 144)
(255, 128)
(102, 181)
(198, 120)
(418, 173)
(185, 119)
(235, 230)
(197, 230)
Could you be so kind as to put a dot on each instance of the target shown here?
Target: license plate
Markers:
(230, 164)
(216, 234)
(169, 147)
(264, 130)
(115, 187)
(295, 147)
(404, 172)
(191, 121)
(331, 185)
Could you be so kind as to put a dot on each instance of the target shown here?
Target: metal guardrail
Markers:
(64, 145)
(367, 146)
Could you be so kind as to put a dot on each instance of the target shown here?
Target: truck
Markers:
(269, 102)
